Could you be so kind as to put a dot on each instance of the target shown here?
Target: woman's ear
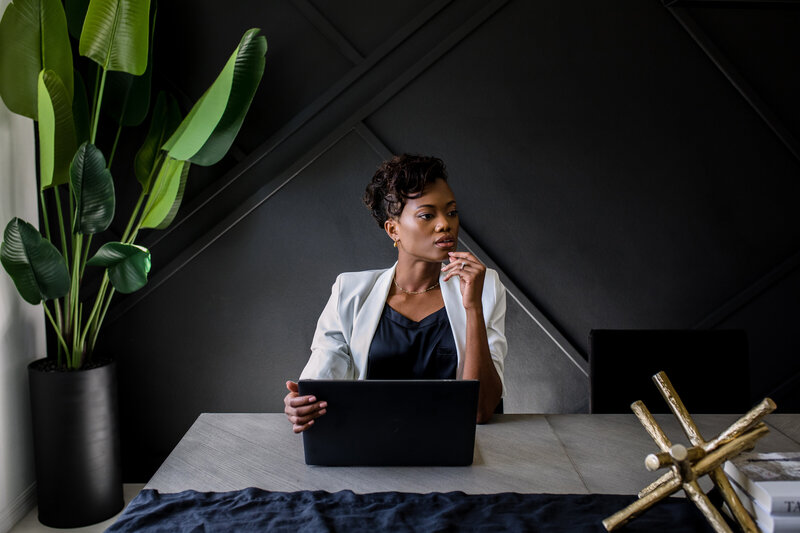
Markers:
(391, 229)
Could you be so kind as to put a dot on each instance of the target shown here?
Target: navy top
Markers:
(405, 349)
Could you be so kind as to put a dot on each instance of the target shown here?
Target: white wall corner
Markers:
(22, 328)
(18, 509)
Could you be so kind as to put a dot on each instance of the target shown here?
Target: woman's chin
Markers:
(444, 256)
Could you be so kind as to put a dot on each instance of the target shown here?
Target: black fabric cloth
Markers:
(404, 349)
(312, 511)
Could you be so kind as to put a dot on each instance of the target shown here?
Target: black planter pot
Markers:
(76, 444)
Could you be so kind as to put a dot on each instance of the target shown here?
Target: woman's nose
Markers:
(442, 224)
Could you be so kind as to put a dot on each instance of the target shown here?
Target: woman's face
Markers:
(427, 228)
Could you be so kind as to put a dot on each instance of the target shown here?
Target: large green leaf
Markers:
(34, 264)
(33, 37)
(166, 117)
(127, 264)
(208, 131)
(93, 188)
(115, 34)
(127, 97)
(56, 130)
(167, 194)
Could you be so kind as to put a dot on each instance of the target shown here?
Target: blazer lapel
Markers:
(451, 294)
(367, 319)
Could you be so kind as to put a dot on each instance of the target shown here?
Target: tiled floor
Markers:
(30, 524)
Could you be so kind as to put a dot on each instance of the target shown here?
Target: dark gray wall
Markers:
(622, 164)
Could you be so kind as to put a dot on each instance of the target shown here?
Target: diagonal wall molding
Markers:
(731, 72)
(728, 69)
(514, 292)
(750, 95)
(313, 15)
(750, 293)
(364, 90)
(290, 142)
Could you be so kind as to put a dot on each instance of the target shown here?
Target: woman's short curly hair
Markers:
(398, 179)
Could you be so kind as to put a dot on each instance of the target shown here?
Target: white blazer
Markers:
(348, 323)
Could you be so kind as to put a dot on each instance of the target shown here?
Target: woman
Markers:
(422, 318)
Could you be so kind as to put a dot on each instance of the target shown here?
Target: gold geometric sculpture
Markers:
(687, 465)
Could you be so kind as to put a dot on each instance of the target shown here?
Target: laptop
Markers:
(392, 422)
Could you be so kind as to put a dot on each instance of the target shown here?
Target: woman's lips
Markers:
(445, 243)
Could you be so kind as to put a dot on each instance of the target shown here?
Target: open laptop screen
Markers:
(392, 422)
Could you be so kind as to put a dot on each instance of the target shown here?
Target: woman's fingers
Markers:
(302, 418)
(302, 405)
(462, 261)
(294, 400)
(470, 272)
(464, 265)
(306, 410)
(456, 258)
(299, 429)
(301, 423)
(302, 410)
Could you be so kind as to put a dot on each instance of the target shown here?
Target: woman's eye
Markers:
(425, 216)
(453, 213)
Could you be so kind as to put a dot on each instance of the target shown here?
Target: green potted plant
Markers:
(73, 391)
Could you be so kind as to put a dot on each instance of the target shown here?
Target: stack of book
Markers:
(768, 484)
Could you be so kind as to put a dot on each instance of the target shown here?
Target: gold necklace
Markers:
(414, 292)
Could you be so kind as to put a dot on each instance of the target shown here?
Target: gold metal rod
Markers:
(730, 449)
(654, 461)
(630, 512)
(702, 502)
(713, 459)
(747, 421)
(680, 458)
(651, 426)
(739, 513)
(665, 478)
(678, 409)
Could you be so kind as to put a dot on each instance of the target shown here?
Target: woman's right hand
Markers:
(301, 410)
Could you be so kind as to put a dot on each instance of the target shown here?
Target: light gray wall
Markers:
(21, 324)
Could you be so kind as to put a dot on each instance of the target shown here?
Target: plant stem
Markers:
(97, 108)
(114, 147)
(127, 238)
(61, 316)
(74, 296)
(86, 254)
(96, 331)
(155, 190)
(44, 215)
(68, 317)
(77, 360)
(61, 226)
(95, 308)
(133, 216)
(59, 325)
(55, 323)
(96, 94)
(58, 333)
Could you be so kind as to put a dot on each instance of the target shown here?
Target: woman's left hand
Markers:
(470, 272)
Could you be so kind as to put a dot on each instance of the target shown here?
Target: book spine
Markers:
(767, 523)
(781, 524)
(775, 505)
(786, 506)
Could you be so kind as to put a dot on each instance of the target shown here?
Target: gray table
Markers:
(515, 453)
